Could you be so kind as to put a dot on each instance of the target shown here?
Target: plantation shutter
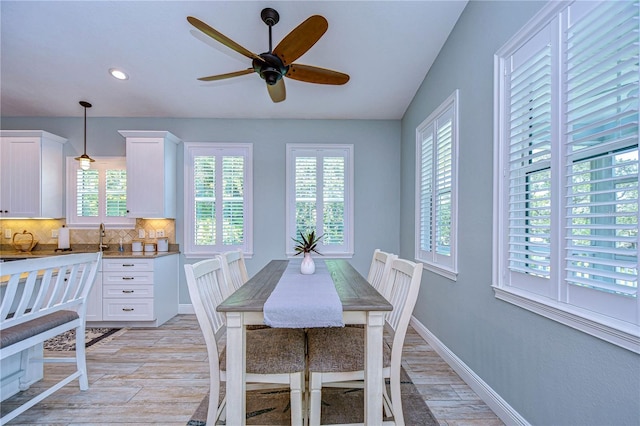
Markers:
(232, 200)
(601, 130)
(319, 188)
(426, 188)
(87, 193)
(443, 183)
(528, 82)
(204, 198)
(305, 194)
(116, 193)
(333, 197)
(218, 197)
(436, 147)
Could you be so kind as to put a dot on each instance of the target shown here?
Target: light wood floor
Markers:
(159, 376)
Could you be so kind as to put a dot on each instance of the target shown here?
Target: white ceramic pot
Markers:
(308, 266)
(136, 246)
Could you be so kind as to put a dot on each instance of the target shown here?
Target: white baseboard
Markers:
(186, 309)
(504, 411)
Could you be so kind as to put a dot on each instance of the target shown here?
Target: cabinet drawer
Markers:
(127, 265)
(131, 310)
(128, 278)
(127, 292)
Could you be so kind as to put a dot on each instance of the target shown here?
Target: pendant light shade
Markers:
(84, 159)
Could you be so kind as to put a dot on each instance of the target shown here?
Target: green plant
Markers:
(307, 244)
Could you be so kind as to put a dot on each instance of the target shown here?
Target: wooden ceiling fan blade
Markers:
(218, 36)
(301, 39)
(227, 75)
(277, 91)
(311, 74)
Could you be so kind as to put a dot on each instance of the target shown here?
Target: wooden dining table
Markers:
(361, 304)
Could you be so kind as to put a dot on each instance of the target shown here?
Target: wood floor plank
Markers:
(159, 376)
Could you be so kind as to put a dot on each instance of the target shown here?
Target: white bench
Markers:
(42, 298)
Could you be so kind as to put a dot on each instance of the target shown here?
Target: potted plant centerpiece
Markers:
(307, 244)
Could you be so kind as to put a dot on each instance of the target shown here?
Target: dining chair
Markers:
(335, 356)
(234, 268)
(379, 271)
(275, 357)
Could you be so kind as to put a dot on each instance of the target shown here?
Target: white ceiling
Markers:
(57, 53)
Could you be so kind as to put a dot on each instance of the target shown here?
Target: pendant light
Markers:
(84, 159)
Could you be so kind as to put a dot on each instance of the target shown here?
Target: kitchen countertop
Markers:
(13, 254)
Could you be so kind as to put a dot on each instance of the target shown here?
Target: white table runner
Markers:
(304, 301)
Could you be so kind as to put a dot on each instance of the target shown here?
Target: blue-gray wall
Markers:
(551, 374)
(376, 158)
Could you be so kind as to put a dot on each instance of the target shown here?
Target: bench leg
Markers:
(81, 359)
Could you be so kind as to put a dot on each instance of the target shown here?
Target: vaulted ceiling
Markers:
(57, 53)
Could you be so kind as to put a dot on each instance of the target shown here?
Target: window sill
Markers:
(618, 333)
(438, 269)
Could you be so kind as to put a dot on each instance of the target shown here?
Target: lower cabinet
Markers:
(135, 292)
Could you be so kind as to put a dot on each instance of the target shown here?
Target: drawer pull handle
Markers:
(128, 264)
(128, 278)
(128, 291)
(127, 309)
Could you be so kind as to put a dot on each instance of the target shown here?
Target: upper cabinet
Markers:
(31, 174)
(151, 173)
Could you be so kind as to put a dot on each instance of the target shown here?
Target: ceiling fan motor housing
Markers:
(272, 69)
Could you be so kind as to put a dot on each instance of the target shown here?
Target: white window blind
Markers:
(99, 194)
(218, 197)
(319, 196)
(567, 168)
(436, 189)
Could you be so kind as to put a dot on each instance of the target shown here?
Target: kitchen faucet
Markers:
(102, 235)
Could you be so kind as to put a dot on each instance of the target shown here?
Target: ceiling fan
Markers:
(277, 63)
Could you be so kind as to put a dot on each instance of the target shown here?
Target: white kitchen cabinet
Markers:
(94, 300)
(151, 173)
(31, 174)
(138, 291)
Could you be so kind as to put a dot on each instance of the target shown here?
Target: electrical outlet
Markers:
(140, 233)
(54, 233)
(7, 233)
(152, 234)
(160, 233)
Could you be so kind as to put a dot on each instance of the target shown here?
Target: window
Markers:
(320, 196)
(97, 195)
(566, 169)
(218, 198)
(437, 188)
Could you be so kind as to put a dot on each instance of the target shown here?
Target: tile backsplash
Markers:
(42, 230)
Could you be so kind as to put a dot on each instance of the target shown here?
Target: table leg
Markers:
(373, 368)
(236, 369)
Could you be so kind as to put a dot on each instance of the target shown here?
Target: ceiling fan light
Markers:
(270, 75)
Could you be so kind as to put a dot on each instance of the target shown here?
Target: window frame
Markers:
(192, 149)
(344, 150)
(77, 222)
(551, 302)
(444, 265)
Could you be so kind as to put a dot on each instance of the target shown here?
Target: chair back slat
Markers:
(40, 286)
(235, 269)
(379, 271)
(404, 278)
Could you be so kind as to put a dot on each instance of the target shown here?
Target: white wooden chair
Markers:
(379, 271)
(42, 298)
(235, 270)
(336, 355)
(275, 357)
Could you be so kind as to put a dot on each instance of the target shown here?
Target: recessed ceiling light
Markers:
(119, 74)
